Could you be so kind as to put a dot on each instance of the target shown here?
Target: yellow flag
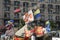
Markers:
(37, 12)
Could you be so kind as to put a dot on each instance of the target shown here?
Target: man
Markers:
(39, 32)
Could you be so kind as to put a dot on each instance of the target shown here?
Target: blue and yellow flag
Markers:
(47, 26)
(37, 14)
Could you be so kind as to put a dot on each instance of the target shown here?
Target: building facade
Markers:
(50, 9)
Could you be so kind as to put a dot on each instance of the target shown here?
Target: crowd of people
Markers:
(8, 31)
(38, 32)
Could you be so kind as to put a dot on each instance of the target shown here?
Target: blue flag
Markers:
(38, 16)
(48, 27)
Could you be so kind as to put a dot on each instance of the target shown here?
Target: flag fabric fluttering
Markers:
(17, 10)
(28, 17)
(48, 26)
(37, 14)
(31, 17)
(25, 18)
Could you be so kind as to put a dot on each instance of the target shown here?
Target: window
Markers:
(25, 4)
(43, 17)
(41, 0)
(50, 17)
(32, 0)
(42, 10)
(21, 3)
(34, 4)
(23, 9)
(57, 18)
(16, 15)
(42, 5)
(7, 2)
(50, 6)
(26, 9)
(50, 11)
(57, 9)
(6, 8)
(16, 3)
(50, 1)
(55, 1)
(6, 14)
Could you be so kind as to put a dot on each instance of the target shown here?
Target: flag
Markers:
(31, 17)
(48, 26)
(47, 22)
(37, 14)
(28, 17)
(17, 10)
(25, 18)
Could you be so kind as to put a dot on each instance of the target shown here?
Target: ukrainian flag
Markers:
(47, 26)
(37, 14)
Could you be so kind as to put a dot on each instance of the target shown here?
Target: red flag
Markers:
(17, 10)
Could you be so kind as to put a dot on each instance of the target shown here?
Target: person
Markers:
(39, 32)
(33, 36)
(10, 29)
(27, 34)
(3, 33)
